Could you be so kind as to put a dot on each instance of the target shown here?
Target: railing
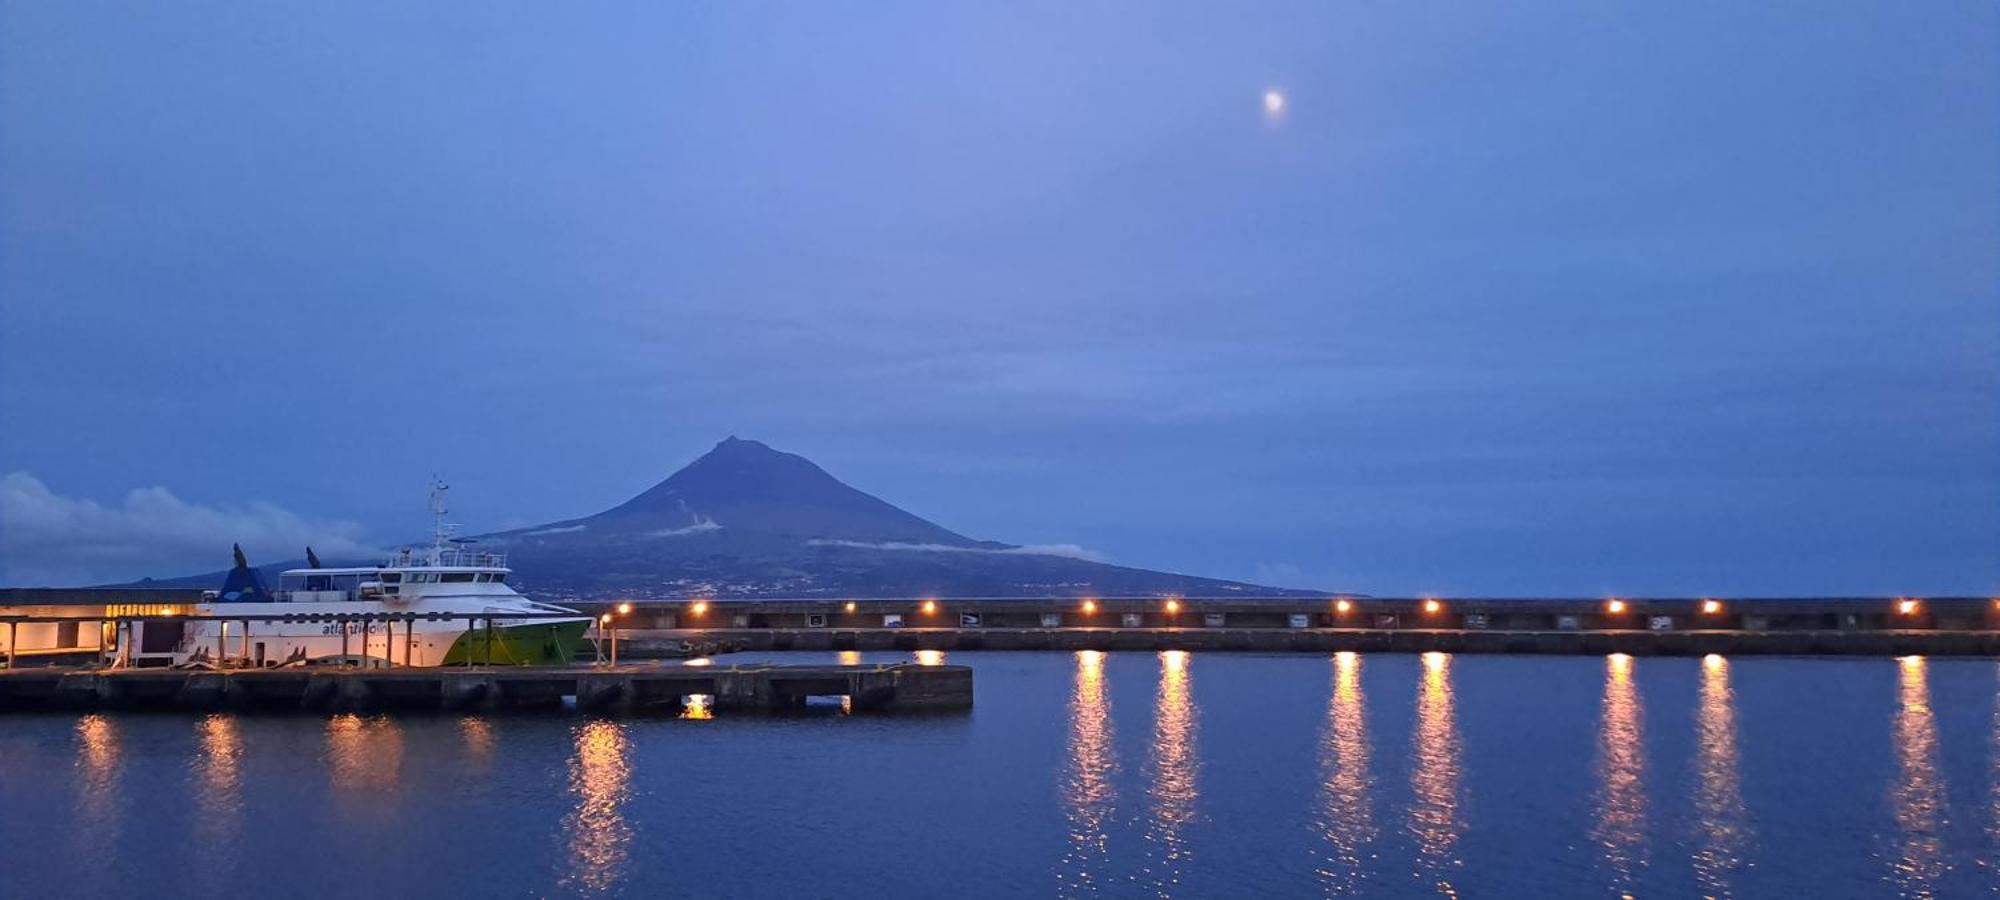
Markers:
(454, 556)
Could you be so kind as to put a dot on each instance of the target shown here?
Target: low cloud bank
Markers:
(47, 539)
(1070, 551)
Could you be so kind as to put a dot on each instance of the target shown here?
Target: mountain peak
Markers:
(747, 486)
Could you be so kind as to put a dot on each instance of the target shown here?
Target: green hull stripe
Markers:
(557, 644)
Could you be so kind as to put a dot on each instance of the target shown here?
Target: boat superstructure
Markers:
(433, 592)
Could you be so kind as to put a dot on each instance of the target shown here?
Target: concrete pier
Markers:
(1876, 626)
(1328, 640)
(603, 689)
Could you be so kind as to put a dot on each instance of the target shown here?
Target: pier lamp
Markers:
(850, 607)
(930, 607)
(1343, 607)
(1615, 606)
(624, 609)
(698, 607)
(1173, 606)
(1906, 607)
(1711, 607)
(1089, 606)
(603, 626)
(1433, 607)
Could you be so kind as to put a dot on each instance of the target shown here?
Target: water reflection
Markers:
(1621, 775)
(599, 778)
(849, 658)
(477, 733)
(1434, 777)
(1172, 765)
(1347, 817)
(930, 657)
(698, 706)
(1993, 796)
(365, 762)
(1724, 824)
(1087, 794)
(99, 749)
(1918, 798)
(219, 766)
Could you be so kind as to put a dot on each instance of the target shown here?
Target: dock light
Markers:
(1615, 607)
(850, 607)
(930, 607)
(1173, 606)
(699, 607)
(1343, 606)
(624, 609)
(1906, 607)
(1433, 607)
(1089, 607)
(604, 619)
(1711, 607)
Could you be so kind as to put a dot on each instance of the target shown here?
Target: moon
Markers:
(1274, 103)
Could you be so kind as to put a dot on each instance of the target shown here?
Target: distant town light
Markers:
(1615, 607)
(1711, 607)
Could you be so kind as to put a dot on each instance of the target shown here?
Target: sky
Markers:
(1506, 299)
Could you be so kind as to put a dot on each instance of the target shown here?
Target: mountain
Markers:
(746, 520)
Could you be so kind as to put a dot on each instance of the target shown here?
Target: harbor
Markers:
(95, 628)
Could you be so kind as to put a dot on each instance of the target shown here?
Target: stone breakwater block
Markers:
(202, 690)
(81, 689)
(468, 693)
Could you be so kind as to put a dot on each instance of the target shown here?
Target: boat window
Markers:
(483, 578)
(391, 577)
(457, 577)
(499, 577)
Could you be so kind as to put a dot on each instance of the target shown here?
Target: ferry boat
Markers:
(450, 578)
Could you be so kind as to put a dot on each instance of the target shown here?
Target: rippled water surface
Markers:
(1122, 773)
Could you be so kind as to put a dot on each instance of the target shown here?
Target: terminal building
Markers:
(45, 625)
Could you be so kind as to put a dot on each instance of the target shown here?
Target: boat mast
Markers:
(440, 529)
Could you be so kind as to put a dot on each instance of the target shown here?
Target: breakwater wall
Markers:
(1968, 626)
(600, 689)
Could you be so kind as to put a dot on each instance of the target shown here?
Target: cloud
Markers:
(705, 525)
(50, 539)
(1279, 574)
(1070, 551)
